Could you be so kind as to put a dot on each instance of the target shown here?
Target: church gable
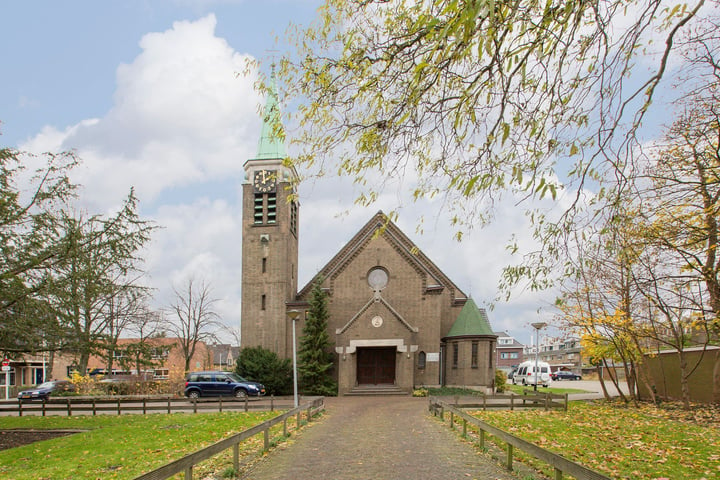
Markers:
(381, 228)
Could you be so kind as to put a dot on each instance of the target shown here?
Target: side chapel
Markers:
(396, 320)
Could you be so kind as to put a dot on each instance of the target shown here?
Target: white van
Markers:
(526, 375)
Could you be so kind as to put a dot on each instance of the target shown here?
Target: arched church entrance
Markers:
(376, 365)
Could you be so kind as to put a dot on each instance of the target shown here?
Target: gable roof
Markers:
(471, 322)
(380, 224)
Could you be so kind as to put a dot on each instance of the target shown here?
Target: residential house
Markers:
(509, 352)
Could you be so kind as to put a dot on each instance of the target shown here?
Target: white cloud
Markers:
(180, 116)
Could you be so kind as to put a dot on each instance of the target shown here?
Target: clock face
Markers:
(377, 321)
(264, 180)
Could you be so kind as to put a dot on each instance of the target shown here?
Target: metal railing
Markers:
(560, 464)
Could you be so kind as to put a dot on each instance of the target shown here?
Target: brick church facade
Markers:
(396, 320)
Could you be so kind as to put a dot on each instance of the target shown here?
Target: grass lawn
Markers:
(619, 441)
(123, 447)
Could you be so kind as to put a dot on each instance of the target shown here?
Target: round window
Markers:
(377, 278)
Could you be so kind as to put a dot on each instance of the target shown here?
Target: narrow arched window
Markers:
(421, 360)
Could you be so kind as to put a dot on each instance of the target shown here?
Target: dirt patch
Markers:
(15, 438)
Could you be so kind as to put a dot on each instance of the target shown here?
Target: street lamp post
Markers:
(294, 316)
(537, 326)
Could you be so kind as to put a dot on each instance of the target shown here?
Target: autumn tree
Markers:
(680, 223)
(193, 319)
(597, 302)
(473, 100)
(315, 358)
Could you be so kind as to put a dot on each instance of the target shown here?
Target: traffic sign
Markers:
(6, 368)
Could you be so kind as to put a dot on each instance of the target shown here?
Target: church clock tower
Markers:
(269, 240)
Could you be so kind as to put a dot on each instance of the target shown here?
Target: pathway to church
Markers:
(377, 438)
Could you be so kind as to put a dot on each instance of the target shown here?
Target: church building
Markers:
(397, 321)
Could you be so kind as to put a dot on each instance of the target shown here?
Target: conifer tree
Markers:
(315, 358)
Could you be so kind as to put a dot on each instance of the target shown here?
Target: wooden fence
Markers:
(187, 463)
(561, 465)
(511, 401)
(130, 404)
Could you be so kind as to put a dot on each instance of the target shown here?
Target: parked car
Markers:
(208, 384)
(526, 374)
(45, 389)
(565, 375)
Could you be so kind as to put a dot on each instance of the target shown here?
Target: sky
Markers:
(147, 93)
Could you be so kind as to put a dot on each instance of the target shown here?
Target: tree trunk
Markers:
(684, 387)
(716, 379)
(602, 381)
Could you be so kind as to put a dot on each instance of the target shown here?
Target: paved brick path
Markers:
(377, 438)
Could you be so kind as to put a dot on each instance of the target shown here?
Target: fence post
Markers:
(509, 457)
(236, 457)
(169, 408)
(188, 473)
(20, 408)
(220, 404)
(464, 427)
(566, 402)
(285, 427)
(452, 420)
(558, 474)
(484, 402)
(272, 403)
(309, 413)
(512, 401)
(69, 410)
(266, 439)
(246, 403)
(118, 406)
(94, 409)
(144, 407)
(482, 438)
(194, 405)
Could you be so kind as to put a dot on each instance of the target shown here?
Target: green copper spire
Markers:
(272, 138)
(472, 321)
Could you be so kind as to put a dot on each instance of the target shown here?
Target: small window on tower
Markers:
(262, 302)
(421, 360)
(293, 218)
(474, 357)
(258, 208)
(456, 355)
(264, 264)
(271, 207)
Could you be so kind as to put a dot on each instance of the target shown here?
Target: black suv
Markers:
(209, 384)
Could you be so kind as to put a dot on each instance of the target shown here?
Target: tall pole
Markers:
(294, 315)
(537, 326)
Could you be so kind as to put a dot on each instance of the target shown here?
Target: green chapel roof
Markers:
(471, 321)
(271, 145)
